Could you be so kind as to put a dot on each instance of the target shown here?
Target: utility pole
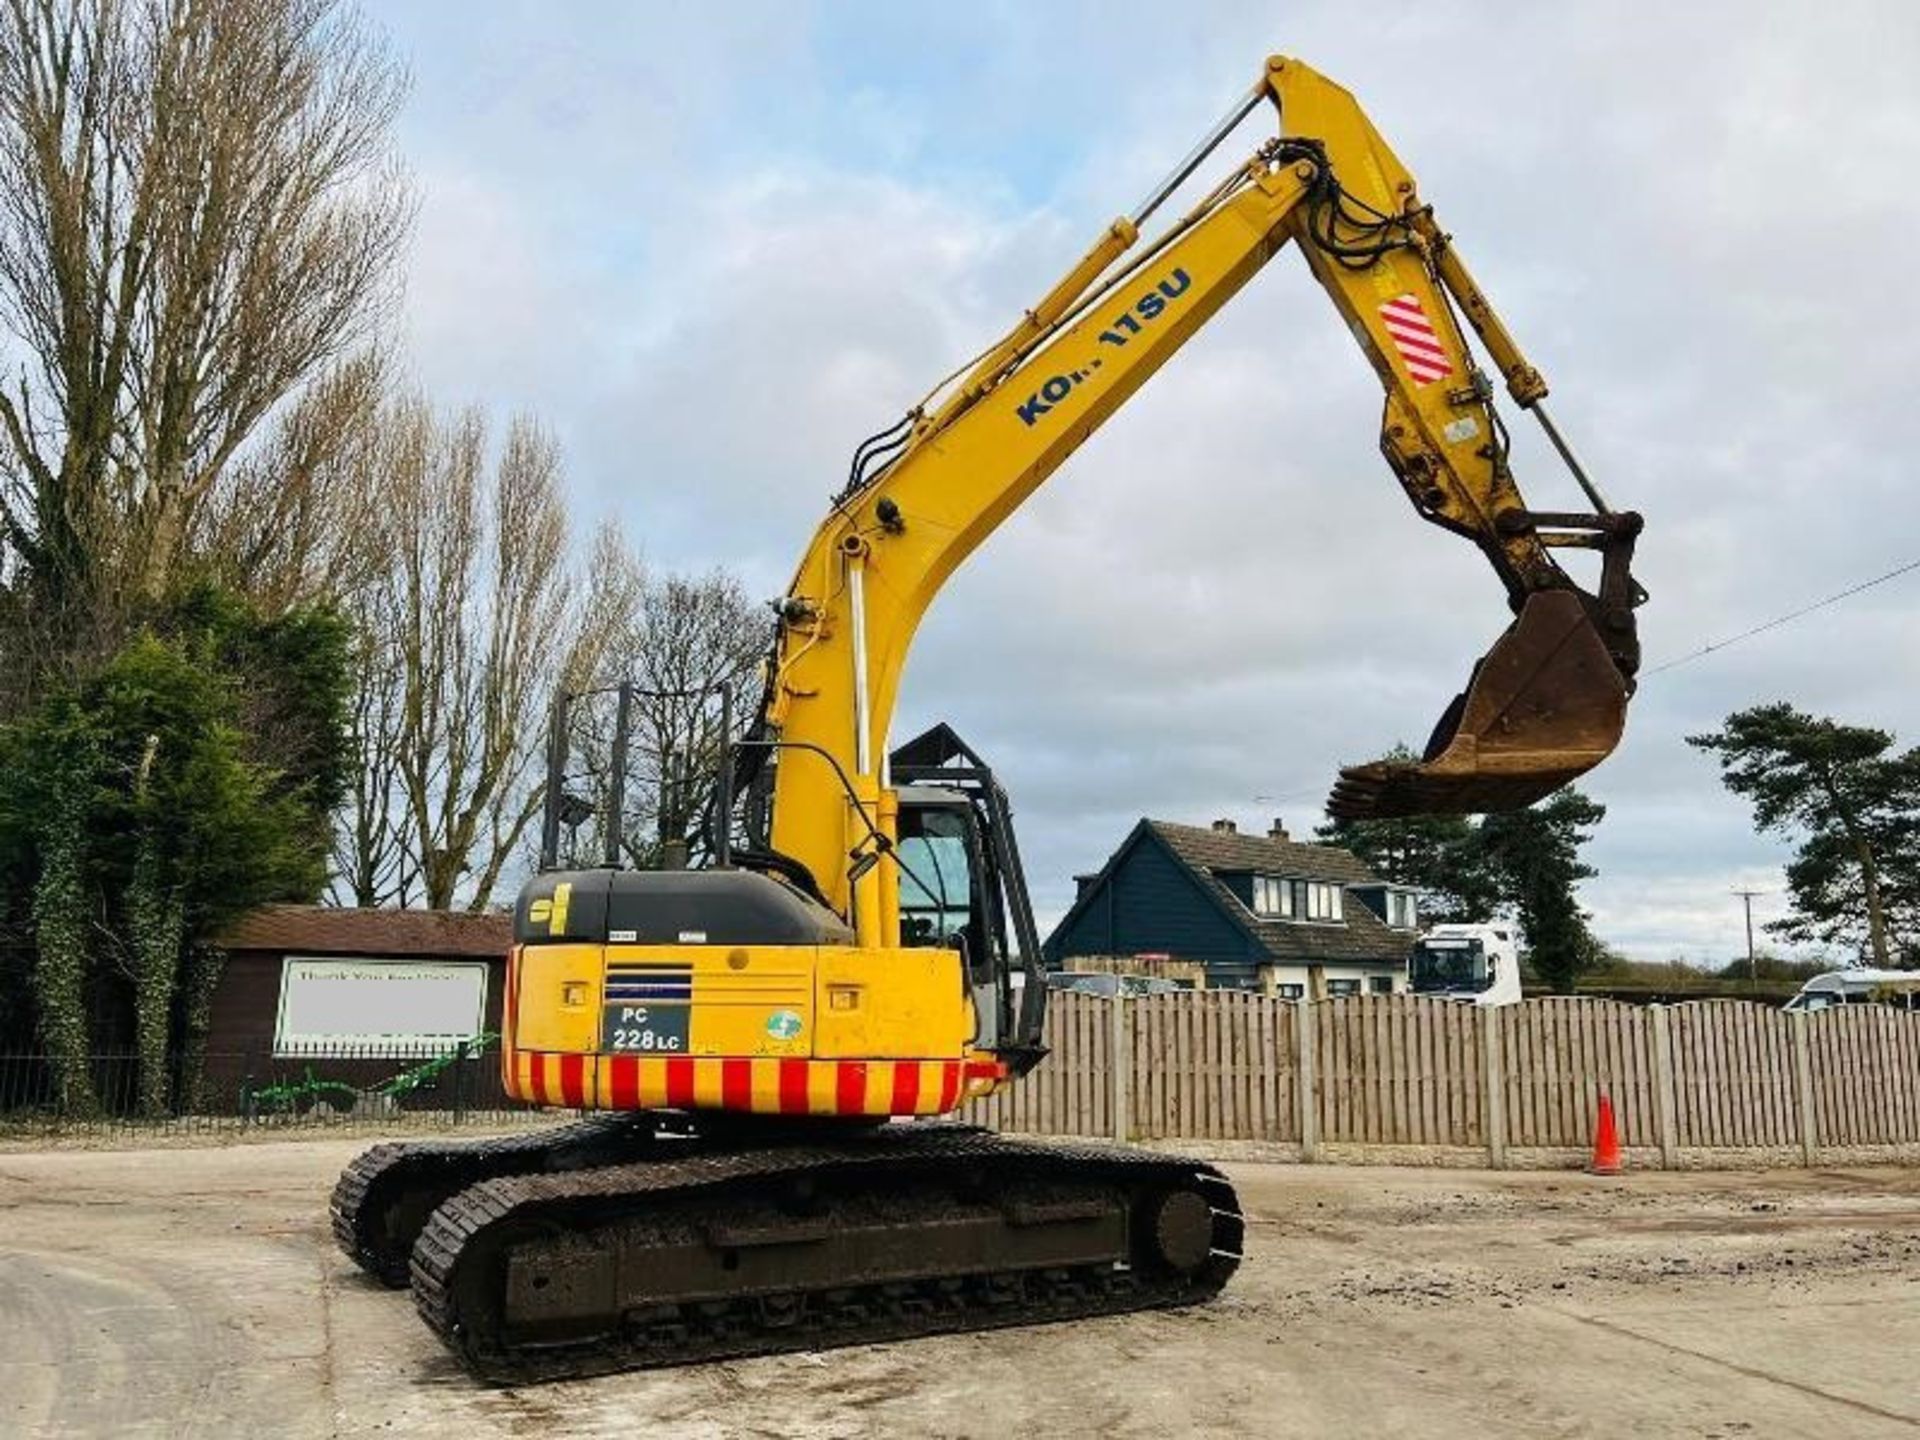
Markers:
(1746, 897)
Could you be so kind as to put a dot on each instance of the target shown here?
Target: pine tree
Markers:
(1853, 805)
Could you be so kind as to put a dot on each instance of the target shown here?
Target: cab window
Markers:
(936, 877)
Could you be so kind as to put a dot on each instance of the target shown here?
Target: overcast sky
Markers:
(714, 246)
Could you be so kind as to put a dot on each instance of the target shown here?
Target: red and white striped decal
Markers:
(766, 1085)
(1420, 349)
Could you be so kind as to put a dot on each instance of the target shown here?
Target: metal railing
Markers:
(237, 1090)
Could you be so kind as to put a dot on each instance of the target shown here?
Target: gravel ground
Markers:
(195, 1291)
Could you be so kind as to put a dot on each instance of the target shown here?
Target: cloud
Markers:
(716, 252)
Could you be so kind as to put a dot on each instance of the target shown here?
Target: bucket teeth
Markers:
(1384, 790)
(1546, 704)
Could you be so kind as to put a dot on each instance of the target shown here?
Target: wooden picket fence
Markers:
(1402, 1070)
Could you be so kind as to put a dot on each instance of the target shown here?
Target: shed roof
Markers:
(338, 930)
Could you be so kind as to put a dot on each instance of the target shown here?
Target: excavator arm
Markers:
(1547, 702)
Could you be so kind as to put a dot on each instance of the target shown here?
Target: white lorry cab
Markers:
(1475, 964)
(1900, 988)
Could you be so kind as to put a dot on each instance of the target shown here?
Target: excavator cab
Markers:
(961, 885)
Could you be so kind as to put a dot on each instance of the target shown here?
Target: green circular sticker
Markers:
(784, 1024)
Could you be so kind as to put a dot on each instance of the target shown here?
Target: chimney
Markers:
(1082, 884)
(1225, 827)
(1278, 830)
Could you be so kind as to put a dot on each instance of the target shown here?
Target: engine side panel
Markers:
(756, 1029)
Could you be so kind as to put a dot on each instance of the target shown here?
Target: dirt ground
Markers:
(196, 1291)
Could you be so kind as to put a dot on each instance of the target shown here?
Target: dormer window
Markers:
(1272, 897)
(1296, 899)
(1323, 901)
(1403, 911)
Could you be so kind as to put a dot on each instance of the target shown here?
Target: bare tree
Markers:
(616, 585)
(374, 859)
(696, 632)
(198, 214)
(478, 612)
(685, 636)
(301, 516)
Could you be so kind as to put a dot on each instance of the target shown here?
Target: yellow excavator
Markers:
(858, 947)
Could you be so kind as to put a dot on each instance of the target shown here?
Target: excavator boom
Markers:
(1548, 702)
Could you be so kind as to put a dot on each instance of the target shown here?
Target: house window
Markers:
(1319, 901)
(1290, 992)
(1272, 897)
(1403, 911)
(1296, 899)
(1338, 988)
(1380, 984)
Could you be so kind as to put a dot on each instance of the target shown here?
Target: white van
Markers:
(1900, 988)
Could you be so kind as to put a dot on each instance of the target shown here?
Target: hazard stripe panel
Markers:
(1414, 338)
(676, 1083)
(764, 1086)
(736, 1084)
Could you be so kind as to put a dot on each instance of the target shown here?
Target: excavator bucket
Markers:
(1546, 704)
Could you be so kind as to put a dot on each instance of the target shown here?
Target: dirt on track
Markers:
(196, 1291)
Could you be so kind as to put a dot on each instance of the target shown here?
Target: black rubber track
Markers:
(384, 1197)
(456, 1264)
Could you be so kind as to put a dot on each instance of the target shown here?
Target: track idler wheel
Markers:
(1181, 1230)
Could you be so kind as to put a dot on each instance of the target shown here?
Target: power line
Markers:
(1788, 618)
(1703, 651)
(1310, 793)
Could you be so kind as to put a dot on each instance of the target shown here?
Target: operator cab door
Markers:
(944, 902)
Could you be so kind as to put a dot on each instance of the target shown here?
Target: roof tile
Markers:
(340, 930)
(1229, 851)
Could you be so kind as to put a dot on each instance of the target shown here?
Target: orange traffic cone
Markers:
(1606, 1141)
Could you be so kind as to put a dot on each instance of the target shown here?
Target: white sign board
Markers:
(379, 1007)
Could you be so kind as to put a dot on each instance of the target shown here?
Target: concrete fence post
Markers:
(1120, 1074)
(1803, 1090)
(1493, 1053)
(1666, 1100)
(1306, 1080)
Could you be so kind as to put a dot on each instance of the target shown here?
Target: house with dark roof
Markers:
(1259, 912)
